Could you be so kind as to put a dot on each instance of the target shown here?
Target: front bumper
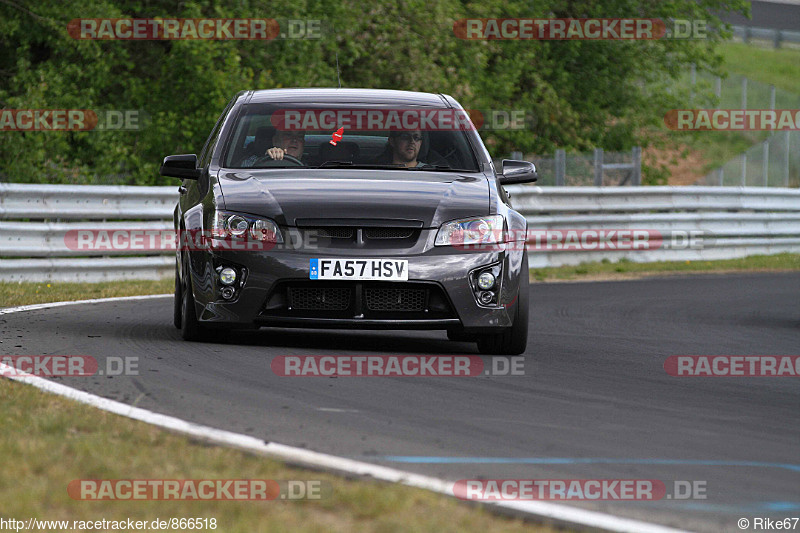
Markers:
(443, 270)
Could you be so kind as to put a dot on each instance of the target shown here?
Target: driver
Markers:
(287, 142)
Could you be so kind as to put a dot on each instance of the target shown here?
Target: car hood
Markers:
(310, 196)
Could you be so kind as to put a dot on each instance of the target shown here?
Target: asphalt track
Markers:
(782, 15)
(595, 401)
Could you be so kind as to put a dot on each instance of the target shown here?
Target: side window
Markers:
(211, 142)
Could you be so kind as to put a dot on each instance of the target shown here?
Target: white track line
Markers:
(559, 514)
(34, 307)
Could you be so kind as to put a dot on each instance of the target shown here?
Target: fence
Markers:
(599, 168)
(774, 161)
(776, 37)
(738, 92)
(734, 222)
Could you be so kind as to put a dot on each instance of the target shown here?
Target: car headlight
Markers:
(227, 224)
(237, 225)
(478, 230)
(265, 230)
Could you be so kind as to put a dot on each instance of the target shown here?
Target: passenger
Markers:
(405, 147)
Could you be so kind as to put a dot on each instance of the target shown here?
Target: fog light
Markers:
(486, 281)
(227, 292)
(227, 276)
(486, 297)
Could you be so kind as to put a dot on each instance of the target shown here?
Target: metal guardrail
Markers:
(643, 199)
(91, 270)
(734, 221)
(731, 222)
(88, 202)
(32, 236)
(46, 239)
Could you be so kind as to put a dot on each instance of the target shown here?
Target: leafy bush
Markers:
(582, 93)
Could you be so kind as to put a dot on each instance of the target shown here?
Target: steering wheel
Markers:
(286, 157)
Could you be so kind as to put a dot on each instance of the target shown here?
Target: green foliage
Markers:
(582, 93)
(779, 67)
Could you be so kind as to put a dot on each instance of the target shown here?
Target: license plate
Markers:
(359, 269)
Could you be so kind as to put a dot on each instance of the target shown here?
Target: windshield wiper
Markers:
(350, 164)
(437, 168)
(430, 168)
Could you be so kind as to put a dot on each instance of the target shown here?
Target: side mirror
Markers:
(517, 172)
(182, 166)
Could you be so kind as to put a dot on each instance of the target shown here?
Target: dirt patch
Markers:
(684, 163)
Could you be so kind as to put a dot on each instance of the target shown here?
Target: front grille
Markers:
(388, 233)
(333, 232)
(319, 298)
(348, 232)
(368, 299)
(385, 299)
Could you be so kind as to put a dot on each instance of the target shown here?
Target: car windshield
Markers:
(410, 138)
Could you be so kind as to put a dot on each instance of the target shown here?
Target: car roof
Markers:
(347, 96)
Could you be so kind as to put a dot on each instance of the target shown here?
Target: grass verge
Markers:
(626, 269)
(13, 294)
(780, 67)
(47, 441)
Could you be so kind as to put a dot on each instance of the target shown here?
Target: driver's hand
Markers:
(276, 153)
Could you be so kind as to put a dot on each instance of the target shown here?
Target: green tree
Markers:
(581, 93)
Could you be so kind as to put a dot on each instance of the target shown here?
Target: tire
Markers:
(514, 341)
(491, 344)
(191, 330)
(459, 335)
(177, 303)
